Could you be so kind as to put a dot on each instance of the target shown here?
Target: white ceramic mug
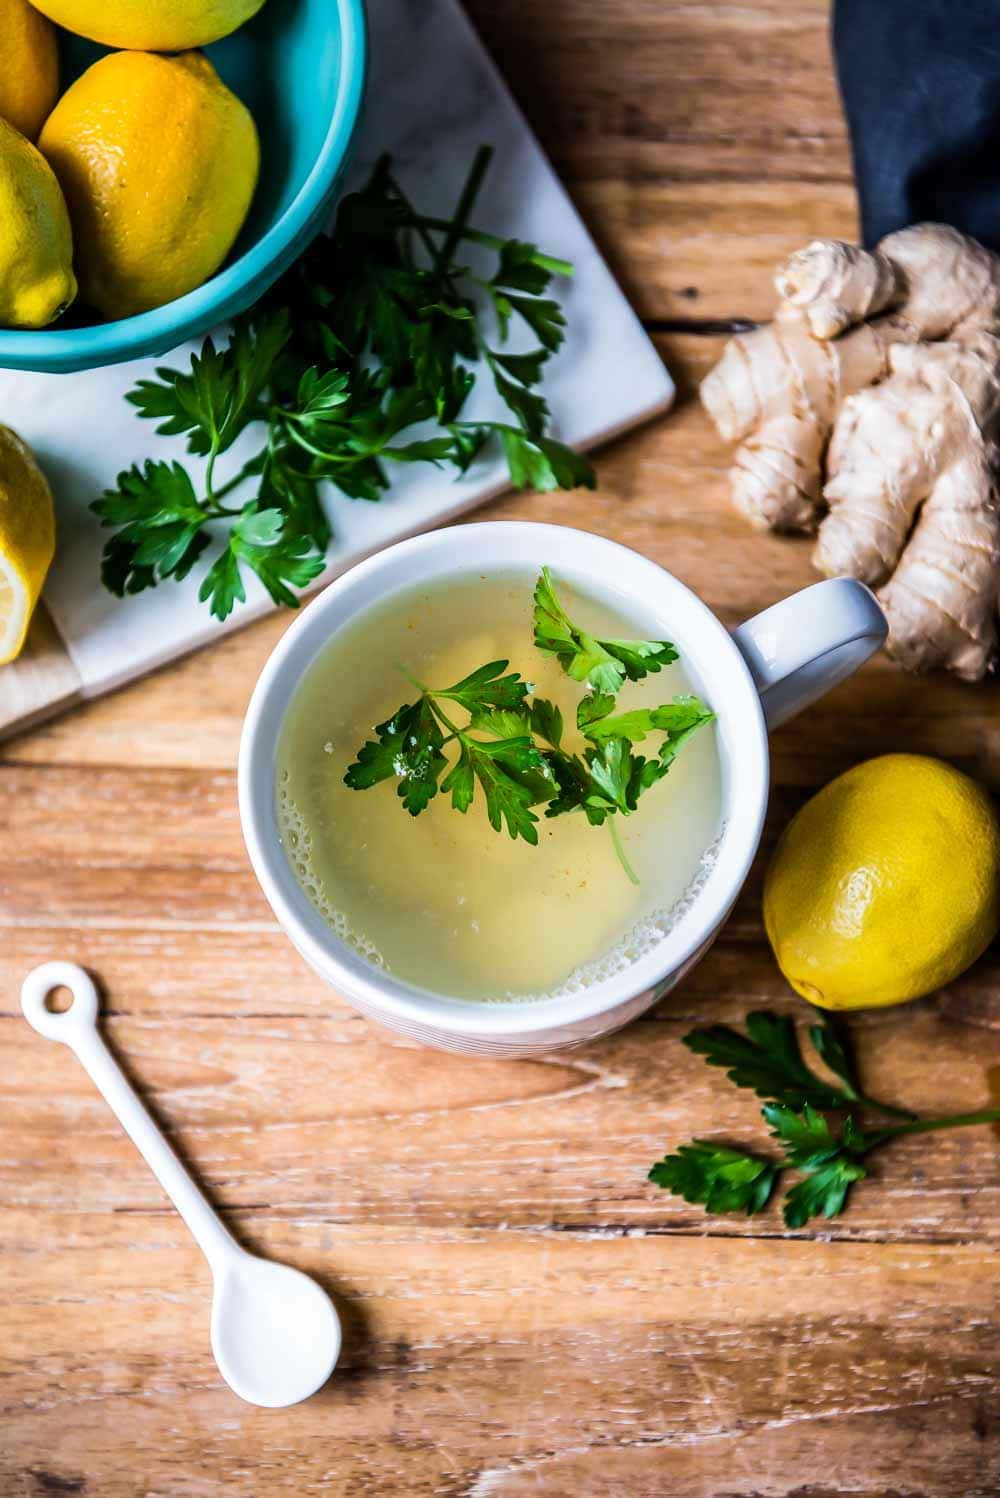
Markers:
(755, 678)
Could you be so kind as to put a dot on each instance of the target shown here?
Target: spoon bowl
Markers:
(275, 1334)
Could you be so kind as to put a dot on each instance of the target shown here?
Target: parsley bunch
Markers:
(512, 746)
(361, 358)
(827, 1152)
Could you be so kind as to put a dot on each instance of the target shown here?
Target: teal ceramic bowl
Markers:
(300, 67)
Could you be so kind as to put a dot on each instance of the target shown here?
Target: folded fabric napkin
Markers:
(921, 86)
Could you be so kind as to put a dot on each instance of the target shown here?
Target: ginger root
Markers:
(868, 412)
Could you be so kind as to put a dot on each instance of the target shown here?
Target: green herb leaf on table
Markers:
(809, 1138)
(361, 358)
(832, 1043)
(822, 1193)
(720, 1178)
(827, 1152)
(767, 1060)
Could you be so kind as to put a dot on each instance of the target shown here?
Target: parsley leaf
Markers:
(723, 1179)
(156, 494)
(767, 1060)
(160, 527)
(677, 719)
(822, 1193)
(808, 1137)
(502, 722)
(544, 318)
(218, 396)
(408, 746)
(222, 587)
(541, 463)
(547, 721)
(508, 800)
(509, 767)
(519, 268)
(530, 408)
(488, 687)
(832, 1044)
(605, 665)
(612, 769)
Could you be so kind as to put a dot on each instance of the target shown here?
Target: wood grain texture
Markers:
(524, 1312)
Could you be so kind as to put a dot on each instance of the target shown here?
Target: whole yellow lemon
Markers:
(151, 25)
(36, 245)
(886, 884)
(27, 539)
(29, 74)
(158, 161)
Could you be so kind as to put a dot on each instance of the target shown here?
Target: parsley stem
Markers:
(439, 711)
(213, 495)
(929, 1125)
(230, 485)
(875, 1106)
(393, 187)
(210, 469)
(493, 242)
(457, 229)
(622, 859)
(425, 690)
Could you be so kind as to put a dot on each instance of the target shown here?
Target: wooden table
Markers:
(524, 1313)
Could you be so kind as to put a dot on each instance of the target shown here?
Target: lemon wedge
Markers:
(27, 539)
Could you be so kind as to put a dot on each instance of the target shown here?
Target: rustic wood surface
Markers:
(524, 1313)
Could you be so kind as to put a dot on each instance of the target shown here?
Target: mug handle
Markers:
(801, 647)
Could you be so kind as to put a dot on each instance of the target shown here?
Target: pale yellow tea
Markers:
(441, 899)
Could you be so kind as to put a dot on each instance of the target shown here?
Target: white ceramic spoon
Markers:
(275, 1333)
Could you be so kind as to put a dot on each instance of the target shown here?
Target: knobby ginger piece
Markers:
(780, 389)
(886, 427)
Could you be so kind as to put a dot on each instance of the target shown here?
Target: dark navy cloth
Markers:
(920, 81)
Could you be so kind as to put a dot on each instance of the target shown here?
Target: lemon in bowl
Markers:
(886, 885)
(36, 248)
(158, 162)
(298, 67)
(29, 75)
(150, 25)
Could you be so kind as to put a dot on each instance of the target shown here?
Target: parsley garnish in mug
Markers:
(827, 1153)
(511, 746)
(362, 358)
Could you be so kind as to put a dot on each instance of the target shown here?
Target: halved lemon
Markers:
(27, 539)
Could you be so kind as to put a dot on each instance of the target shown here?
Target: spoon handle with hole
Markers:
(77, 1028)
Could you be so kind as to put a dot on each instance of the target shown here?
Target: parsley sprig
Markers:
(604, 665)
(826, 1151)
(361, 359)
(512, 748)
